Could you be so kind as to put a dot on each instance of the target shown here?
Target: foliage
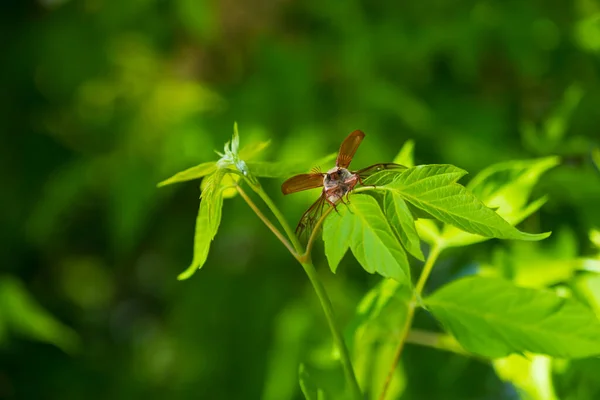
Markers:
(105, 99)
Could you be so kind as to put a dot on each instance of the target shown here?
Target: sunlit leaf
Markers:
(433, 188)
(22, 314)
(587, 287)
(494, 318)
(337, 235)
(207, 222)
(531, 375)
(406, 155)
(401, 220)
(373, 336)
(372, 240)
(595, 237)
(189, 174)
(506, 187)
(428, 230)
(540, 264)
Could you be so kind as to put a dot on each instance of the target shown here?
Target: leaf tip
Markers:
(187, 273)
(537, 236)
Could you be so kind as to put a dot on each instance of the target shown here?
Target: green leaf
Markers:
(531, 375)
(372, 240)
(21, 313)
(196, 172)
(495, 318)
(235, 140)
(596, 157)
(401, 220)
(506, 187)
(373, 336)
(207, 222)
(406, 155)
(541, 264)
(433, 189)
(337, 234)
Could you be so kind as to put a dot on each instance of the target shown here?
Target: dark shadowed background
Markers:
(102, 99)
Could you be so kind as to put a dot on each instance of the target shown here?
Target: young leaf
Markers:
(494, 318)
(433, 189)
(401, 220)
(372, 240)
(189, 174)
(207, 222)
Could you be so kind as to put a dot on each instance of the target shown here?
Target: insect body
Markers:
(338, 182)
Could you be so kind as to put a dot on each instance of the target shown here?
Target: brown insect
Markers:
(337, 182)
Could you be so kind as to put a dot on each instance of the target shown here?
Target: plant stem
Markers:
(335, 330)
(309, 268)
(436, 249)
(268, 223)
(436, 340)
(286, 227)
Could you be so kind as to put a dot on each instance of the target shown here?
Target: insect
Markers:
(337, 182)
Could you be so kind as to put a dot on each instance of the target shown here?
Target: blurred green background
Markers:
(103, 99)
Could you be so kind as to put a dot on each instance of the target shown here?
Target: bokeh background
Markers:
(102, 99)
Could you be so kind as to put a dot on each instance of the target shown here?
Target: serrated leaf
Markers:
(189, 174)
(207, 222)
(406, 154)
(337, 233)
(401, 220)
(227, 185)
(494, 318)
(506, 187)
(433, 189)
(372, 241)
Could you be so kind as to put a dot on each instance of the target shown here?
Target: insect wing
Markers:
(311, 216)
(368, 171)
(348, 149)
(302, 182)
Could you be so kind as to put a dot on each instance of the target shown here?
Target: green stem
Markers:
(286, 227)
(266, 221)
(304, 259)
(431, 259)
(335, 330)
(436, 340)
